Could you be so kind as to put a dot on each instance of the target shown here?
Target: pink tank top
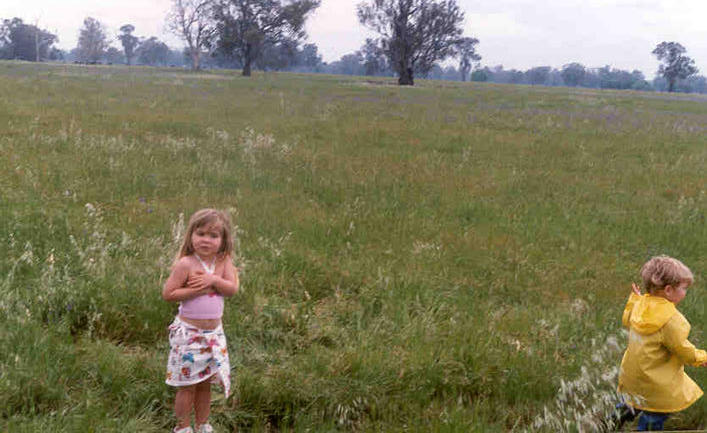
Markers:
(204, 306)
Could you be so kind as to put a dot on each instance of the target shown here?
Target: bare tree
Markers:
(466, 49)
(675, 65)
(92, 41)
(415, 34)
(247, 26)
(192, 20)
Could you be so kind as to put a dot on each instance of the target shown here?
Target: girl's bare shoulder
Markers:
(186, 263)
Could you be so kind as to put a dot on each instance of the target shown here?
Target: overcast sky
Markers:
(513, 33)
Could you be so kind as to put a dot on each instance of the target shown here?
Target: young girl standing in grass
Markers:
(202, 276)
(652, 379)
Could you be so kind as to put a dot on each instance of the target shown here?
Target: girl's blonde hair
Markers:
(661, 271)
(203, 218)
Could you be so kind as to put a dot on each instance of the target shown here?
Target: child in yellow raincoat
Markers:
(652, 379)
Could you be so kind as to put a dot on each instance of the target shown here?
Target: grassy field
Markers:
(451, 257)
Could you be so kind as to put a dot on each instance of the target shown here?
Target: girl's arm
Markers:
(176, 289)
(227, 284)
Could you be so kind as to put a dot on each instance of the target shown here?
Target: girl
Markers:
(202, 275)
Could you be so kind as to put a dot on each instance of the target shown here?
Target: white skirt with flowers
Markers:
(197, 355)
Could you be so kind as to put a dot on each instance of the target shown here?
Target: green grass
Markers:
(436, 258)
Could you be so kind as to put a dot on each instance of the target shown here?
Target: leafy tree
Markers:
(310, 57)
(288, 56)
(538, 75)
(481, 75)
(466, 49)
(5, 33)
(374, 59)
(129, 41)
(56, 54)
(152, 52)
(696, 83)
(92, 41)
(573, 74)
(449, 73)
(639, 81)
(415, 34)
(113, 56)
(192, 20)
(279, 56)
(349, 64)
(246, 27)
(611, 78)
(675, 65)
(24, 41)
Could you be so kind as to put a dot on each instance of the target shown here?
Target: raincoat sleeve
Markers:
(675, 334)
(628, 308)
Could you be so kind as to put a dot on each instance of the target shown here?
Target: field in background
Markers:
(449, 257)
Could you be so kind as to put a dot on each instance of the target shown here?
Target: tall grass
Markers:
(440, 258)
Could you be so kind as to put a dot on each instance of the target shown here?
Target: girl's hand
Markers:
(636, 289)
(200, 280)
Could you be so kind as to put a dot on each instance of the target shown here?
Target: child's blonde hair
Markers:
(661, 271)
(203, 218)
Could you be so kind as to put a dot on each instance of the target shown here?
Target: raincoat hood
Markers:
(650, 313)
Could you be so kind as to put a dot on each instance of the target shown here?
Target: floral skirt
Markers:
(197, 355)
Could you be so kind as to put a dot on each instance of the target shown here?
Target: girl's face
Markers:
(206, 239)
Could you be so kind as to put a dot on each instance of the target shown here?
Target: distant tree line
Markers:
(577, 75)
(415, 38)
(367, 62)
(22, 41)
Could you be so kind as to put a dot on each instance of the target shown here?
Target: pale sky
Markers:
(514, 33)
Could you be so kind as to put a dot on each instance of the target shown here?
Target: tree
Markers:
(245, 27)
(113, 56)
(310, 57)
(466, 49)
(24, 41)
(675, 65)
(278, 56)
(192, 20)
(481, 75)
(538, 74)
(92, 41)
(349, 64)
(152, 52)
(415, 34)
(374, 59)
(129, 42)
(449, 73)
(573, 74)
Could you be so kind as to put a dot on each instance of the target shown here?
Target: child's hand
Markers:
(636, 289)
(200, 280)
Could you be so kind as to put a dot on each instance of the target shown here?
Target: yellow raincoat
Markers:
(652, 375)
